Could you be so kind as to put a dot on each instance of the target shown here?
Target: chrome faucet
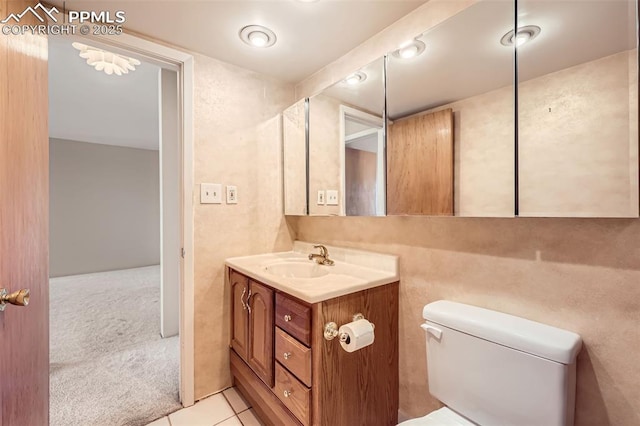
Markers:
(323, 257)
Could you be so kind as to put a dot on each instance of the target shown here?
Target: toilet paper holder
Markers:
(331, 329)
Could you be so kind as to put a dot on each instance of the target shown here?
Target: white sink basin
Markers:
(292, 272)
(297, 269)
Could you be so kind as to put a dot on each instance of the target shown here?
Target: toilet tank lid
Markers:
(518, 333)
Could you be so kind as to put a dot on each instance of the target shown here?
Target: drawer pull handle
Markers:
(287, 318)
(244, 305)
(287, 393)
(287, 355)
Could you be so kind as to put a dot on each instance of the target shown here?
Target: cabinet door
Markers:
(261, 332)
(239, 314)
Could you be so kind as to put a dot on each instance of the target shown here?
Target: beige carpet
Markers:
(109, 365)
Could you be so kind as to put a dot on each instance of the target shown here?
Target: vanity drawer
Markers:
(293, 394)
(294, 356)
(294, 318)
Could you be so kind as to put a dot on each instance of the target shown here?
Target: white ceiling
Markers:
(368, 95)
(310, 35)
(89, 106)
(464, 57)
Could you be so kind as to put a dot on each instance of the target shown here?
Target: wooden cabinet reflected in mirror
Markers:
(578, 109)
(346, 146)
(450, 101)
(420, 155)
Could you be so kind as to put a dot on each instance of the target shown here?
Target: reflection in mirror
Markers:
(294, 148)
(578, 109)
(450, 101)
(346, 146)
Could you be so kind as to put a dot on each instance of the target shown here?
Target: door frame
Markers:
(183, 63)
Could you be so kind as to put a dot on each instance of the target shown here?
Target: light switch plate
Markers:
(232, 194)
(332, 197)
(321, 199)
(210, 193)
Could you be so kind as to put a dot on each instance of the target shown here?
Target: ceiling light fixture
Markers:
(101, 60)
(355, 78)
(524, 35)
(258, 36)
(409, 49)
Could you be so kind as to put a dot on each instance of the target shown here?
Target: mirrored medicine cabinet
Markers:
(474, 119)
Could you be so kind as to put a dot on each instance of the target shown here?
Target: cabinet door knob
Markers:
(287, 393)
(287, 355)
(287, 318)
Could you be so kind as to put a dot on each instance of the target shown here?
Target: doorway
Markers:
(362, 160)
(123, 297)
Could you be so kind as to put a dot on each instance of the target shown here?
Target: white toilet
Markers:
(491, 368)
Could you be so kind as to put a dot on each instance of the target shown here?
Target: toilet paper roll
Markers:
(359, 335)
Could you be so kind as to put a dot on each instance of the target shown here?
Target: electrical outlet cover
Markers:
(332, 197)
(232, 194)
(210, 193)
(321, 198)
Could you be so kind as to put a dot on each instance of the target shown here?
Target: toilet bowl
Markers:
(491, 368)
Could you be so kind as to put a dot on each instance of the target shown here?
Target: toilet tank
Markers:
(498, 369)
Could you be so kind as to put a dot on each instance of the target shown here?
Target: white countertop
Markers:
(353, 271)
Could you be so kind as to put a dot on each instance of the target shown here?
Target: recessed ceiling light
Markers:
(409, 49)
(102, 60)
(355, 78)
(524, 35)
(258, 36)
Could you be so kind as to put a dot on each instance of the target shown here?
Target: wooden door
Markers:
(420, 165)
(239, 314)
(261, 332)
(24, 223)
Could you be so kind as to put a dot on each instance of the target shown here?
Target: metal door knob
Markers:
(287, 355)
(287, 318)
(287, 393)
(19, 298)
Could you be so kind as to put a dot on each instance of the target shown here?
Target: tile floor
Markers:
(227, 408)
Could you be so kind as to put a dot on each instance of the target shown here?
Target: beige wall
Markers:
(578, 153)
(105, 208)
(324, 152)
(238, 134)
(295, 159)
(577, 274)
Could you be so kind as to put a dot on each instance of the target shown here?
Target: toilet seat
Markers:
(442, 417)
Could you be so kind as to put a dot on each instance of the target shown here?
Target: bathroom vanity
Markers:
(280, 359)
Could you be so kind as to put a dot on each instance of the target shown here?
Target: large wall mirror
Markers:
(462, 134)
(346, 146)
(450, 102)
(578, 108)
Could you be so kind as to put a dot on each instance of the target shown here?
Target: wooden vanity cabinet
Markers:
(313, 380)
(252, 324)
